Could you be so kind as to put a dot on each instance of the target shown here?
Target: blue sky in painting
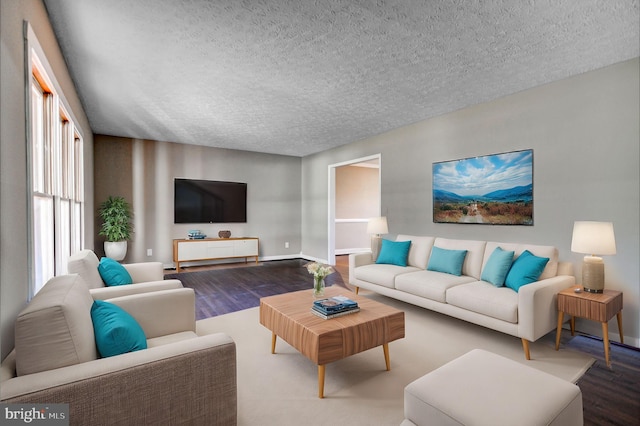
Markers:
(481, 175)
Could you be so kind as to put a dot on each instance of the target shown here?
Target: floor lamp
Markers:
(376, 227)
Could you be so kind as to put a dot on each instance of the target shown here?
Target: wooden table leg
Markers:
(619, 316)
(559, 329)
(385, 349)
(273, 343)
(321, 381)
(572, 322)
(605, 341)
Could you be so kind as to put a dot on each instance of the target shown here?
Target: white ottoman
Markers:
(482, 388)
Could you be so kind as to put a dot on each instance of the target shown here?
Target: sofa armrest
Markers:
(145, 271)
(190, 382)
(8, 367)
(538, 307)
(359, 259)
(140, 288)
(160, 313)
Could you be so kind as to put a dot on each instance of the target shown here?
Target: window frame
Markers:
(61, 181)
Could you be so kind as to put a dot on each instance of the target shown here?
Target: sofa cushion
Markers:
(551, 270)
(475, 253)
(420, 249)
(525, 270)
(171, 338)
(496, 269)
(550, 252)
(394, 252)
(85, 263)
(116, 331)
(54, 330)
(430, 284)
(113, 273)
(485, 299)
(384, 275)
(447, 261)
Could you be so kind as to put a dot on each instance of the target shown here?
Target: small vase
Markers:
(318, 287)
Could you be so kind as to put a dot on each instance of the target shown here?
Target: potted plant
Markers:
(116, 226)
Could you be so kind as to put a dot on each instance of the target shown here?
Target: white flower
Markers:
(318, 269)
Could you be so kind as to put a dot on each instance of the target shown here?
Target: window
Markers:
(43, 217)
(56, 172)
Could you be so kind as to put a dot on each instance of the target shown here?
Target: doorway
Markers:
(354, 197)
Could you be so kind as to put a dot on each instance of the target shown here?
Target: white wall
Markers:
(585, 135)
(13, 155)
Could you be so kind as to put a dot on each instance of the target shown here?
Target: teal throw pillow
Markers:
(116, 331)
(113, 273)
(496, 269)
(447, 261)
(525, 270)
(394, 252)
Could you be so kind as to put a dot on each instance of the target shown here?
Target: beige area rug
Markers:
(281, 389)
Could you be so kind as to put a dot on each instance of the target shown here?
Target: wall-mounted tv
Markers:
(209, 201)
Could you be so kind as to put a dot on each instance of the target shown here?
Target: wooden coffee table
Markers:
(323, 341)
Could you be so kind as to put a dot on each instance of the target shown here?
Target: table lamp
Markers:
(376, 227)
(593, 238)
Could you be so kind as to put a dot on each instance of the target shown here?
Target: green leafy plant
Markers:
(116, 219)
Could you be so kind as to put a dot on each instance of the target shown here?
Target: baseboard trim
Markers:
(352, 250)
(171, 266)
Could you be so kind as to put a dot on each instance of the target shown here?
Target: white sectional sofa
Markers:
(528, 313)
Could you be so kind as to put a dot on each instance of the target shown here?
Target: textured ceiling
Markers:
(296, 77)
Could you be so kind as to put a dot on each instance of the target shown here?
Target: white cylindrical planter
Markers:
(115, 250)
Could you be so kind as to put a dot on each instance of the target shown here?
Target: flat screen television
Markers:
(209, 201)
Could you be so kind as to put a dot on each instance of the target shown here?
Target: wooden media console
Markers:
(189, 250)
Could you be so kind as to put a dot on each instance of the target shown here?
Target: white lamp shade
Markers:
(377, 225)
(595, 238)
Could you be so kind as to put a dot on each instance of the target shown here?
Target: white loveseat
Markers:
(529, 313)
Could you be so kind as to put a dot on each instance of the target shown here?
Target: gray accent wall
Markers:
(584, 132)
(143, 172)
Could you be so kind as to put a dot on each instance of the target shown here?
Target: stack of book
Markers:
(333, 307)
(195, 234)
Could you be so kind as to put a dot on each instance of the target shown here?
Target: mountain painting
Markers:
(493, 189)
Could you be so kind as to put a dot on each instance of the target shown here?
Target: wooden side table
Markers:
(594, 306)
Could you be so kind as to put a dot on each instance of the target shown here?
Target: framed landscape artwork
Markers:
(494, 189)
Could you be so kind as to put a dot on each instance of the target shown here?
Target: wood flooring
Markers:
(223, 289)
(610, 395)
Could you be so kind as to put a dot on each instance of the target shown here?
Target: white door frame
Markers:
(331, 225)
